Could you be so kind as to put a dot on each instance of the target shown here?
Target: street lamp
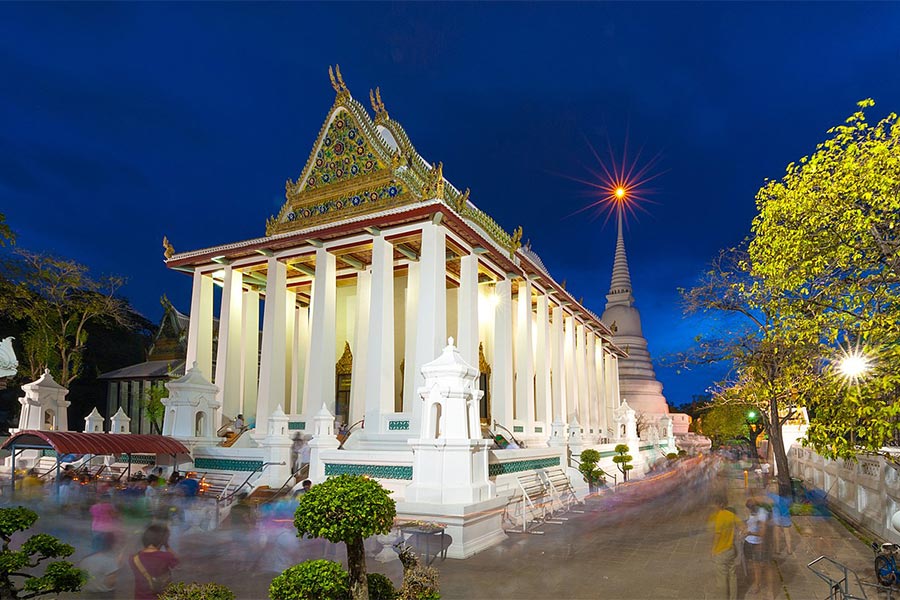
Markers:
(853, 365)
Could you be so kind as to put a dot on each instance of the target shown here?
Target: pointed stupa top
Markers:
(620, 286)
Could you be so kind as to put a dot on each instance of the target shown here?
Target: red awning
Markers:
(71, 442)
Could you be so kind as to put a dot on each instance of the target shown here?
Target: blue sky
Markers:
(126, 122)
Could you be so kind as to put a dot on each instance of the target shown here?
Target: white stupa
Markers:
(637, 380)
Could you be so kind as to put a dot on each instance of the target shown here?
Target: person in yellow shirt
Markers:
(724, 524)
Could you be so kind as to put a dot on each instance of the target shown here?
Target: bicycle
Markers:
(886, 569)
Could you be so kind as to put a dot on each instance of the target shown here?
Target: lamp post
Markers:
(754, 426)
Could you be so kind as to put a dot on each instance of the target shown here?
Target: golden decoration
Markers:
(381, 114)
(344, 365)
(337, 82)
(396, 160)
(461, 201)
(483, 365)
(168, 250)
(271, 222)
(434, 185)
(515, 241)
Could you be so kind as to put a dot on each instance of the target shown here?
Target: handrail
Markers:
(259, 469)
(288, 480)
(511, 434)
(349, 431)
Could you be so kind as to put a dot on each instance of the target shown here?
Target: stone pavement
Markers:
(646, 541)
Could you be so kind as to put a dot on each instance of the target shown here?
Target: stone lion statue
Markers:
(9, 365)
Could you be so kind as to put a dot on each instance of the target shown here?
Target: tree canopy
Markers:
(825, 242)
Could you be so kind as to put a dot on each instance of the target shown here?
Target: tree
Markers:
(827, 240)
(58, 299)
(153, 407)
(588, 467)
(59, 576)
(348, 509)
(723, 422)
(6, 234)
(196, 591)
(623, 460)
(774, 360)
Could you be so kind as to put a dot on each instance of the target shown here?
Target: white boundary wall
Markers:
(866, 491)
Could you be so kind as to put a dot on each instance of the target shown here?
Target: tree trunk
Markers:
(356, 563)
(776, 442)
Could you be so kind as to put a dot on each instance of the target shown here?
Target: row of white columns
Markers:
(551, 367)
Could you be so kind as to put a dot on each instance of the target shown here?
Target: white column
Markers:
(612, 395)
(580, 368)
(272, 358)
(380, 341)
(431, 318)
(301, 348)
(410, 394)
(290, 326)
(524, 358)
(199, 344)
(602, 395)
(467, 312)
(319, 378)
(228, 356)
(569, 359)
(591, 372)
(502, 369)
(358, 385)
(543, 353)
(250, 354)
(558, 379)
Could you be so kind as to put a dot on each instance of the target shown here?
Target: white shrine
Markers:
(372, 263)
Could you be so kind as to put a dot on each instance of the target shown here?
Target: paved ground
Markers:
(647, 540)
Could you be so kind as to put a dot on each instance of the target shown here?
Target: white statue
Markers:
(8, 364)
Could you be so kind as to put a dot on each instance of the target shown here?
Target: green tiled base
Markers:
(226, 464)
(48, 452)
(517, 466)
(398, 425)
(294, 425)
(376, 471)
(139, 459)
(518, 429)
(539, 430)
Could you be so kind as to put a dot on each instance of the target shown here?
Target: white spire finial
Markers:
(620, 286)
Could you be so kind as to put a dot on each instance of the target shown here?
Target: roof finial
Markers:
(169, 251)
(337, 81)
(381, 114)
(620, 286)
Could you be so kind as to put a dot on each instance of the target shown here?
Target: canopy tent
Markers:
(71, 442)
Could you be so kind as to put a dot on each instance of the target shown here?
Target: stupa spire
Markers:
(620, 286)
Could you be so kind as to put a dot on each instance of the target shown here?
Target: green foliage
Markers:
(347, 508)
(6, 234)
(672, 456)
(623, 459)
(380, 587)
(827, 241)
(725, 421)
(153, 406)
(311, 580)
(588, 467)
(17, 566)
(57, 299)
(196, 591)
(344, 508)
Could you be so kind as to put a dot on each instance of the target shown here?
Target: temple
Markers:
(372, 262)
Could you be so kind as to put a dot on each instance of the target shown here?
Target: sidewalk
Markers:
(641, 544)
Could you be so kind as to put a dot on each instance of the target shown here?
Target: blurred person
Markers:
(757, 547)
(724, 524)
(781, 520)
(238, 424)
(101, 567)
(104, 519)
(152, 566)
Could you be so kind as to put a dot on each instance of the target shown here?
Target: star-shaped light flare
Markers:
(853, 364)
(618, 183)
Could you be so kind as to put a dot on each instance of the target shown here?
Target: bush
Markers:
(672, 456)
(380, 587)
(196, 591)
(588, 467)
(311, 580)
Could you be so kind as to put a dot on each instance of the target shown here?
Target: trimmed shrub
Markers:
(312, 580)
(380, 587)
(196, 591)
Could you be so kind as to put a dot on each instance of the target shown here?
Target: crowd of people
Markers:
(131, 529)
